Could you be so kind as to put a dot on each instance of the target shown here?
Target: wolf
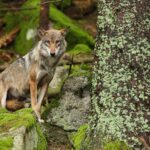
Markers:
(31, 74)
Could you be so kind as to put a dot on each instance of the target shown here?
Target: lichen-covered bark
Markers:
(121, 77)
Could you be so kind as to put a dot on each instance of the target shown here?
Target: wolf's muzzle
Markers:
(52, 54)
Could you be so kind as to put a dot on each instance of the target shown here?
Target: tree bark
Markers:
(44, 14)
(121, 74)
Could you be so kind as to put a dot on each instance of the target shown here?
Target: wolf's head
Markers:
(53, 42)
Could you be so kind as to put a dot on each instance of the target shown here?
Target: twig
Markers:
(52, 1)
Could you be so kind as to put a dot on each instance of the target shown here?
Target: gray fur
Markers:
(14, 80)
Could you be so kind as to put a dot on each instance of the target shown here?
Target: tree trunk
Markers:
(44, 14)
(121, 75)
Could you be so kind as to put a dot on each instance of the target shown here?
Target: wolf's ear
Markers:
(64, 31)
(41, 33)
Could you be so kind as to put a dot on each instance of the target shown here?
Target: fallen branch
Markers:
(9, 37)
(76, 59)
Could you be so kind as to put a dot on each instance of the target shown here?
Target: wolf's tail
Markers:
(14, 104)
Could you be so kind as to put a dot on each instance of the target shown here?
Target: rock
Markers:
(20, 131)
(74, 105)
(57, 82)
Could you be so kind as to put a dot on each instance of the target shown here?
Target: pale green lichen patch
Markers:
(6, 143)
(78, 138)
(14, 120)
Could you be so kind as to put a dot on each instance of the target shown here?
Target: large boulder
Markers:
(74, 105)
(20, 131)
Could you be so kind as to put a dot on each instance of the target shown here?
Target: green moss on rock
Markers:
(80, 70)
(78, 138)
(14, 120)
(10, 122)
(116, 145)
(42, 143)
(6, 143)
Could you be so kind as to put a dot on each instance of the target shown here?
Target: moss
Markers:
(6, 143)
(116, 145)
(80, 48)
(78, 137)
(80, 70)
(42, 143)
(3, 110)
(17, 119)
(76, 34)
(13, 120)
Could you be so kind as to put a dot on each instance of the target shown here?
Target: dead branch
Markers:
(52, 1)
(76, 59)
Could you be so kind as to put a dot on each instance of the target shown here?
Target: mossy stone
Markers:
(14, 120)
(6, 143)
(42, 143)
(116, 145)
(78, 138)
(80, 70)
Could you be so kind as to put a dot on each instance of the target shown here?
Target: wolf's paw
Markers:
(41, 120)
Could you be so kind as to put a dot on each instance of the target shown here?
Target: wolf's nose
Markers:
(52, 54)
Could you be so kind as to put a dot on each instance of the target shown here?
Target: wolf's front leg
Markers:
(41, 96)
(3, 99)
(33, 92)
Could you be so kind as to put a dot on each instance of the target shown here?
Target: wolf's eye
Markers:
(58, 42)
(47, 43)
